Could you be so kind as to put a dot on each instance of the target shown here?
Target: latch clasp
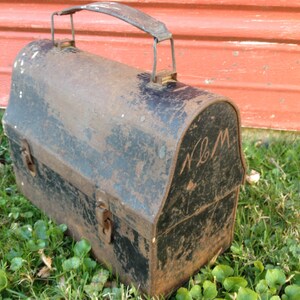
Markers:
(104, 217)
(27, 157)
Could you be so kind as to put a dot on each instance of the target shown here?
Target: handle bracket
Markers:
(132, 16)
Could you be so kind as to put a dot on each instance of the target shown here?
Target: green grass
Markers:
(262, 263)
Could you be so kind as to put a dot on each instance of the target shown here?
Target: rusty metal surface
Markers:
(199, 238)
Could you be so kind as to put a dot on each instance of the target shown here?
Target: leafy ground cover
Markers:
(39, 261)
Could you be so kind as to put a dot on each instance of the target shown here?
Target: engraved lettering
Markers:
(204, 153)
(202, 146)
(189, 158)
(223, 136)
(187, 161)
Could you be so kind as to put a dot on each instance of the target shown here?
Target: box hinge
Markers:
(165, 77)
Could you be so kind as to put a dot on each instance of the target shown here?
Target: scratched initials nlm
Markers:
(205, 153)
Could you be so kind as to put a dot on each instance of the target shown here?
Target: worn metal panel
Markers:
(249, 52)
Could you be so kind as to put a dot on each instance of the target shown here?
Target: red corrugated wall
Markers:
(246, 50)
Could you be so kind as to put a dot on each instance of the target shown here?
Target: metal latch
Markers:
(104, 217)
(27, 157)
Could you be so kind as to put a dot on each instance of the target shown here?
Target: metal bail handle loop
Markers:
(132, 16)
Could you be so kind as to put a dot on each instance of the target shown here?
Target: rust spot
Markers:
(191, 186)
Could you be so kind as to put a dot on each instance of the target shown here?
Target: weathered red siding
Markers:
(246, 50)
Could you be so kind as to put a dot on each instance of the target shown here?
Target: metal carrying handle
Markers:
(130, 15)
